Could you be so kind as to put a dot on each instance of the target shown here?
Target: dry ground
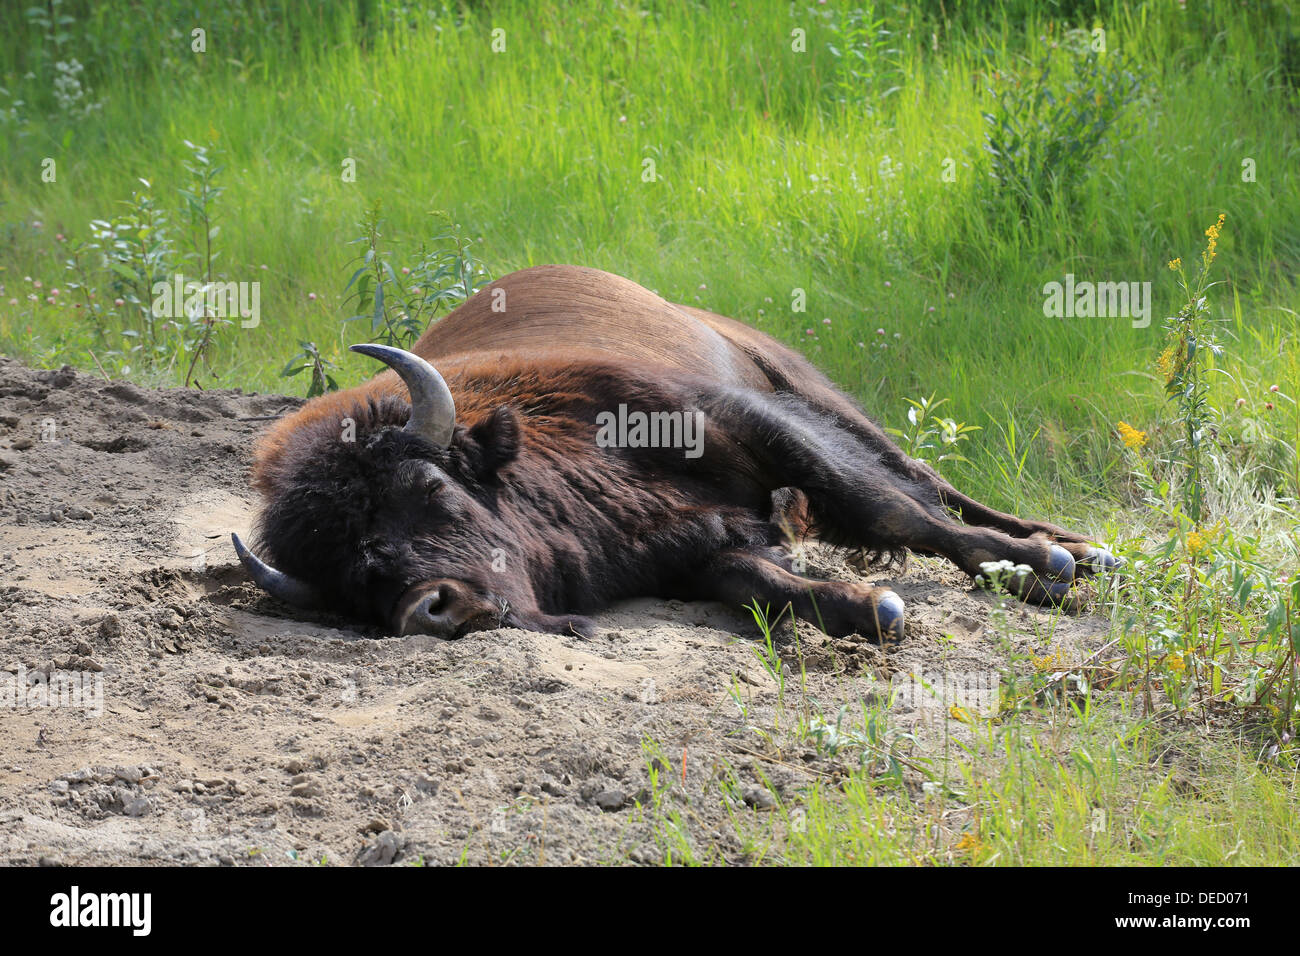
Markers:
(230, 732)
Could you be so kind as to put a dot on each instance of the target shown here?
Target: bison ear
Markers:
(497, 440)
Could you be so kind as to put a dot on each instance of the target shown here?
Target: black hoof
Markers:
(1045, 593)
(1058, 593)
(1099, 560)
(889, 616)
(1060, 564)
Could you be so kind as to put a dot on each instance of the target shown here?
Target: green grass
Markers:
(776, 171)
(539, 150)
(1114, 791)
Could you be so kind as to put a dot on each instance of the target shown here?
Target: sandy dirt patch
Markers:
(225, 731)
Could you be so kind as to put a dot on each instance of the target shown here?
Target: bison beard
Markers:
(378, 507)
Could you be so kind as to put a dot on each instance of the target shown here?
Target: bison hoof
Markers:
(1099, 560)
(1060, 564)
(889, 616)
(1046, 593)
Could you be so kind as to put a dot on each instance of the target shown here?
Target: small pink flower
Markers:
(888, 285)
(406, 270)
(119, 302)
(1269, 406)
(311, 296)
(58, 237)
(809, 332)
(880, 331)
(36, 284)
(931, 309)
(54, 292)
(952, 295)
(1272, 388)
(826, 321)
(1240, 402)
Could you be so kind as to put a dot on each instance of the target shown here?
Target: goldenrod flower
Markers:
(1213, 235)
(959, 713)
(1167, 364)
(969, 843)
(1175, 264)
(1131, 436)
(1176, 663)
(1049, 661)
(1200, 540)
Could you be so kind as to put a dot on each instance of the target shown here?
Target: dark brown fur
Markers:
(525, 520)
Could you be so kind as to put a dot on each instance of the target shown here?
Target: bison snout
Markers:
(441, 608)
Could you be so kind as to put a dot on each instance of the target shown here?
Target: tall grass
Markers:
(772, 174)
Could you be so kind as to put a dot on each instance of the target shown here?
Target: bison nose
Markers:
(430, 615)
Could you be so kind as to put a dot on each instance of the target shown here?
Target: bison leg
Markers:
(862, 496)
(929, 487)
(737, 576)
(1089, 559)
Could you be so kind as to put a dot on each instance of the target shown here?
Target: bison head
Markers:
(391, 517)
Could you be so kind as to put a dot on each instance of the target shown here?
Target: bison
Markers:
(566, 439)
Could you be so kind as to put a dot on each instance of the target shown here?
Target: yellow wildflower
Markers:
(1049, 661)
(1175, 264)
(1131, 436)
(1213, 235)
(969, 843)
(959, 713)
(1200, 539)
(1176, 663)
(1167, 364)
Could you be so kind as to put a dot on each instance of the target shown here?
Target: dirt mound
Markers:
(196, 721)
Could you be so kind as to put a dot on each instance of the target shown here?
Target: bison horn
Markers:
(275, 583)
(433, 410)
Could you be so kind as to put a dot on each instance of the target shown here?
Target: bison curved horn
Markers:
(433, 410)
(275, 583)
